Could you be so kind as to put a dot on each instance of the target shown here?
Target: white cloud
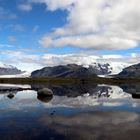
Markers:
(133, 55)
(86, 59)
(15, 27)
(101, 24)
(89, 41)
(112, 56)
(12, 39)
(21, 60)
(80, 59)
(6, 14)
(30, 62)
(25, 7)
(6, 46)
(35, 28)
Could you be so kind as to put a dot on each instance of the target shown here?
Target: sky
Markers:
(39, 33)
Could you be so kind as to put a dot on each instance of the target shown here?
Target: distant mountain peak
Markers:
(8, 69)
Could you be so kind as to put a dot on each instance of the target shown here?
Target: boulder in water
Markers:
(45, 92)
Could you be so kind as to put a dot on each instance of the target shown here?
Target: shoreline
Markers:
(97, 80)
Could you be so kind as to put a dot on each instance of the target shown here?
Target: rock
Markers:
(45, 92)
(44, 99)
(10, 96)
(136, 96)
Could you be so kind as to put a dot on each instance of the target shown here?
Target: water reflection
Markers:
(70, 95)
(44, 99)
(10, 96)
(95, 125)
(76, 96)
(133, 89)
(74, 112)
(101, 95)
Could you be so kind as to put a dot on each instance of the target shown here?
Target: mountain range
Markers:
(11, 71)
(70, 70)
(77, 71)
(119, 69)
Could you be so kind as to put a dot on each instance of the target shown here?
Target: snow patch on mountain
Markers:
(22, 75)
(107, 68)
(117, 67)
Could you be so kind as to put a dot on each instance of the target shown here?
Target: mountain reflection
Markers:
(81, 95)
(74, 112)
(44, 99)
(72, 95)
(133, 89)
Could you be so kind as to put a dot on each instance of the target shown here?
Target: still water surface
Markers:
(75, 112)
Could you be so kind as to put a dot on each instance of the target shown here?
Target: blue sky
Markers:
(31, 29)
(23, 25)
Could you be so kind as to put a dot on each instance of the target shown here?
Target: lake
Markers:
(75, 112)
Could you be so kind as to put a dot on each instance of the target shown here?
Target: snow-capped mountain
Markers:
(109, 68)
(100, 69)
(102, 65)
(74, 70)
(9, 70)
(103, 68)
(117, 67)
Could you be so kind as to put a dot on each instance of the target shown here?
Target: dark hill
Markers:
(131, 71)
(67, 71)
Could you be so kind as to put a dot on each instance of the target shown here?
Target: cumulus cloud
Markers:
(102, 24)
(133, 55)
(35, 28)
(15, 27)
(86, 59)
(112, 56)
(25, 7)
(22, 60)
(80, 59)
(6, 46)
(89, 41)
(12, 39)
(30, 62)
(6, 14)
